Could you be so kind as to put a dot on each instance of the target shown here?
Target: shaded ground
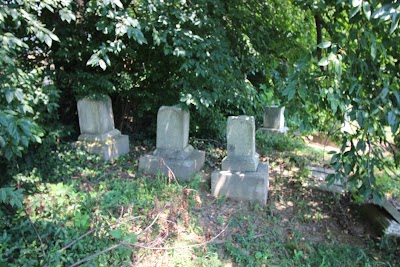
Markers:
(87, 211)
(296, 223)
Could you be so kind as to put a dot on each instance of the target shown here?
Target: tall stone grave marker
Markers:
(98, 134)
(173, 152)
(242, 176)
(274, 119)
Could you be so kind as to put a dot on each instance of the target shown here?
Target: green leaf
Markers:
(3, 194)
(391, 118)
(116, 233)
(323, 62)
(19, 94)
(48, 40)
(9, 95)
(324, 44)
(367, 9)
(373, 47)
(2, 141)
(26, 127)
(12, 128)
(94, 59)
(102, 64)
(378, 13)
(8, 153)
(24, 141)
(395, 22)
(67, 15)
(3, 120)
(139, 37)
(290, 90)
(356, 3)
(118, 3)
(303, 92)
(354, 11)
(384, 93)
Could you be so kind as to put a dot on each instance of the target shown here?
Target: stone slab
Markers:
(391, 210)
(108, 149)
(172, 128)
(317, 180)
(274, 117)
(174, 154)
(282, 130)
(99, 137)
(241, 164)
(95, 116)
(247, 186)
(241, 145)
(240, 135)
(182, 168)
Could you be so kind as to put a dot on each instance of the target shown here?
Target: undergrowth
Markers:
(69, 208)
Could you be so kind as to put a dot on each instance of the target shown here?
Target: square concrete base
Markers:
(248, 186)
(182, 168)
(108, 149)
(240, 164)
(272, 130)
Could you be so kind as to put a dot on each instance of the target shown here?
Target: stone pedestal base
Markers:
(109, 149)
(182, 168)
(240, 164)
(248, 186)
(272, 130)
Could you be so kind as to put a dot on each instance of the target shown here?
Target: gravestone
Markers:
(274, 119)
(98, 134)
(242, 176)
(173, 152)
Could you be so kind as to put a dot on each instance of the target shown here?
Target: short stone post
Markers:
(98, 134)
(173, 152)
(274, 119)
(242, 176)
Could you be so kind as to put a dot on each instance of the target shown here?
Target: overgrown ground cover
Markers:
(78, 210)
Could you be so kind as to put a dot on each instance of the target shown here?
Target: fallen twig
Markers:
(169, 170)
(37, 233)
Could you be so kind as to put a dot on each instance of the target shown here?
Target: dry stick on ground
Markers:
(37, 234)
(169, 170)
(124, 242)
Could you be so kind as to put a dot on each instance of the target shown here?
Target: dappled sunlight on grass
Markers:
(87, 206)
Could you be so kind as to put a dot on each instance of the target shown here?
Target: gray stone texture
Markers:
(274, 117)
(248, 186)
(173, 153)
(241, 145)
(95, 116)
(172, 128)
(242, 176)
(181, 168)
(98, 135)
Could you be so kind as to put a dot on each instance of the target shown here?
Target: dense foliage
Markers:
(322, 59)
(354, 73)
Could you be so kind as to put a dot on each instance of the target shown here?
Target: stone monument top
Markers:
(241, 145)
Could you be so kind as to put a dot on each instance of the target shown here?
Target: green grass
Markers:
(76, 205)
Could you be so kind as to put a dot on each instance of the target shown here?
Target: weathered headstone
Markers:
(274, 119)
(242, 176)
(98, 134)
(241, 148)
(173, 152)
